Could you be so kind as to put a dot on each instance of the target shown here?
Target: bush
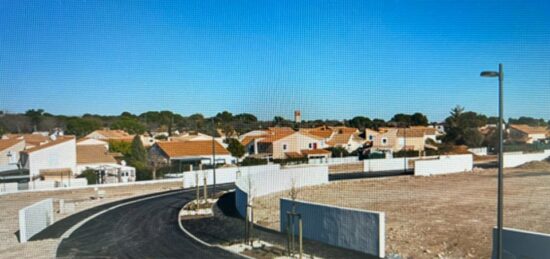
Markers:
(376, 155)
(338, 151)
(408, 153)
(90, 175)
(299, 160)
(144, 174)
(249, 161)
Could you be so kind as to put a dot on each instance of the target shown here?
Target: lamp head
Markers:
(489, 74)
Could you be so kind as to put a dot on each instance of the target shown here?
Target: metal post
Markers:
(214, 152)
(300, 235)
(500, 160)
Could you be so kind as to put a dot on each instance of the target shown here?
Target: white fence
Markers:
(515, 159)
(334, 160)
(8, 187)
(355, 229)
(35, 218)
(522, 244)
(42, 185)
(76, 182)
(444, 165)
(223, 175)
(259, 183)
(386, 164)
(478, 151)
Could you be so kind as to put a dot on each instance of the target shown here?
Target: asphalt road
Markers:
(145, 229)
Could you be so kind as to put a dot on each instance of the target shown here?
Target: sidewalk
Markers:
(226, 228)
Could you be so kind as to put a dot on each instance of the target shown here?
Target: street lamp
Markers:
(214, 153)
(500, 204)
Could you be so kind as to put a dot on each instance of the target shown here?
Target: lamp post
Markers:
(214, 153)
(500, 203)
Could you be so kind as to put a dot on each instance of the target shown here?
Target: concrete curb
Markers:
(84, 221)
(205, 243)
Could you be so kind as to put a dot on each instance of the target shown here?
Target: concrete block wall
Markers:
(262, 183)
(444, 165)
(223, 175)
(516, 159)
(355, 229)
(42, 185)
(386, 164)
(35, 218)
(75, 182)
(522, 244)
(8, 187)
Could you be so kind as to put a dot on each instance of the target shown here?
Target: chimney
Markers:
(297, 116)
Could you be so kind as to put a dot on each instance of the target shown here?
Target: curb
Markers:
(205, 243)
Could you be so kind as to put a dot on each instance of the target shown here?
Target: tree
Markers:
(360, 122)
(473, 138)
(401, 119)
(129, 124)
(278, 120)
(35, 116)
(138, 154)
(123, 147)
(235, 147)
(82, 126)
(529, 121)
(419, 119)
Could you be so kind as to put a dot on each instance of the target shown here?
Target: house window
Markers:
(384, 141)
(310, 145)
(12, 158)
(284, 147)
(371, 137)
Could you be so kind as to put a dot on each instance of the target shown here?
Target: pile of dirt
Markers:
(535, 165)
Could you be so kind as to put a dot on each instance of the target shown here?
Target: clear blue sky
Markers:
(330, 59)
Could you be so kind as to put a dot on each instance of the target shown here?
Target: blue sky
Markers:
(329, 59)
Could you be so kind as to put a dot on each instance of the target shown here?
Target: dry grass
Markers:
(448, 215)
(12, 203)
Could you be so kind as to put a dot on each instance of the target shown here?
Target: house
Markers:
(91, 142)
(31, 140)
(9, 153)
(397, 139)
(55, 159)
(284, 143)
(199, 151)
(527, 134)
(103, 163)
(347, 138)
(110, 135)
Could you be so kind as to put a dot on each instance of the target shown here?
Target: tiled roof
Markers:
(59, 140)
(411, 132)
(529, 129)
(93, 154)
(311, 135)
(30, 139)
(7, 143)
(190, 148)
(315, 151)
(248, 139)
(339, 139)
(113, 134)
(323, 131)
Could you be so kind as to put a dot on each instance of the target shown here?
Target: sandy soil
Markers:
(11, 203)
(447, 216)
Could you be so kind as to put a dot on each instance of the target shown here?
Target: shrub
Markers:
(408, 153)
(249, 161)
(90, 175)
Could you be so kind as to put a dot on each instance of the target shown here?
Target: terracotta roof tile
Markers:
(93, 154)
(529, 129)
(191, 148)
(315, 152)
(7, 143)
(51, 143)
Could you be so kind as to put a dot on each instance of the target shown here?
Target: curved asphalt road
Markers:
(145, 229)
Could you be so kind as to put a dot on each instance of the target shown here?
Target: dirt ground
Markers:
(11, 204)
(447, 216)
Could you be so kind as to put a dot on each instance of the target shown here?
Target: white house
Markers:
(192, 151)
(98, 159)
(55, 159)
(9, 153)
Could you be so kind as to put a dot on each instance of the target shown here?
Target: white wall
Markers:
(522, 244)
(387, 164)
(75, 182)
(479, 151)
(444, 165)
(62, 155)
(42, 185)
(8, 187)
(270, 181)
(223, 175)
(516, 159)
(355, 229)
(334, 160)
(35, 218)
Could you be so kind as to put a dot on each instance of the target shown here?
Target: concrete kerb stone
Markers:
(79, 224)
(200, 241)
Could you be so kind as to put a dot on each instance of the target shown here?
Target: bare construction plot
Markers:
(450, 216)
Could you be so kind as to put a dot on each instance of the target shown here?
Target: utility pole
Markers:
(214, 153)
